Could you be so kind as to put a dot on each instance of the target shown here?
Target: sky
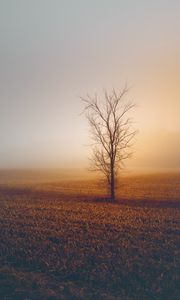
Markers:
(54, 51)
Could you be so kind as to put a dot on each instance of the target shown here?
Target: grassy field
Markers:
(59, 239)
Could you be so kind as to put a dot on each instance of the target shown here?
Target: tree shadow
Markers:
(144, 203)
(150, 203)
(27, 192)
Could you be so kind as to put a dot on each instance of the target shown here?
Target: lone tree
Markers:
(112, 133)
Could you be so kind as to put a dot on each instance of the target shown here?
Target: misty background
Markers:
(52, 52)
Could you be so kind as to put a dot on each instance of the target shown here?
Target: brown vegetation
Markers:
(58, 242)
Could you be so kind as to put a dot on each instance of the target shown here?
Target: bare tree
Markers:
(112, 133)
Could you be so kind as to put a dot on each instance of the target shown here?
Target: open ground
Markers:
(61, 239)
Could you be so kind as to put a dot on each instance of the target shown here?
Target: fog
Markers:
(52, 53)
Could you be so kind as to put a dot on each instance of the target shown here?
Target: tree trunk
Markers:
(112, 184)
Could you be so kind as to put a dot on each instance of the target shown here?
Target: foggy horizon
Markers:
(53, 53)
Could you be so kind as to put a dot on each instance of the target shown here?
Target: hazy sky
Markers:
(53, 51)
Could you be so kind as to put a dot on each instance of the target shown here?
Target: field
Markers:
(61, 239)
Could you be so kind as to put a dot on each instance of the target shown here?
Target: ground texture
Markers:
(57, 243)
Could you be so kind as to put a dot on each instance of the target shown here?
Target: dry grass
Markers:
(58, 242)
